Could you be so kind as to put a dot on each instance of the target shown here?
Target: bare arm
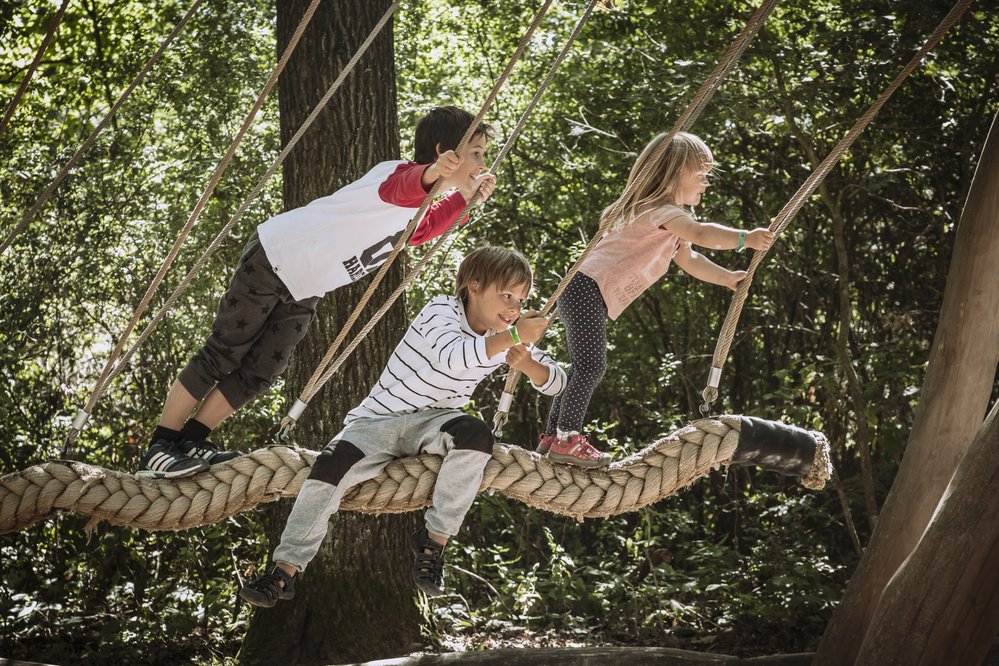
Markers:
(702, 268)
(717, 236)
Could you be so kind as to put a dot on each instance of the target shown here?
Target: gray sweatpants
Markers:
(363, 449)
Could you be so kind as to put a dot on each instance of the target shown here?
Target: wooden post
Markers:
(953, 401)
(942, 607)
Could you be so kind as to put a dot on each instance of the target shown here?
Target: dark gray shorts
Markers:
(256, 327)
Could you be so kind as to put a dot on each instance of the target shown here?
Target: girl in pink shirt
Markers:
(650, 227)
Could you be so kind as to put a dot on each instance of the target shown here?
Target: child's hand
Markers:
(760, 239)
(734, 278)
(447, 163)
(518, 357)
(531, 326)
(485, 184)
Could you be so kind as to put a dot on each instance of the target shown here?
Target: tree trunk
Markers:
(955, 394)
(954, 620)
(355, 601)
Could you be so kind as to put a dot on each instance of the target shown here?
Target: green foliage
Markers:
(743, 562)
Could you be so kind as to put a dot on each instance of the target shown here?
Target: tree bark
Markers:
(355, 602)
(955, 394)
(954, 620)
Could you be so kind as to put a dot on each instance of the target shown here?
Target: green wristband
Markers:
(514, 335)
(742, 242)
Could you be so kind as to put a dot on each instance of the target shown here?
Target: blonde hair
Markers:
(492, 265)
(654, 177)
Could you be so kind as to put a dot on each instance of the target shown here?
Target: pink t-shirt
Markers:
(628, 261)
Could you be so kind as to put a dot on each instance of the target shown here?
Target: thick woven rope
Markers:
(266, 475)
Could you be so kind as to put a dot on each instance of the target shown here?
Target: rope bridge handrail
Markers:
(791, 208)
(105, 121)
(327, 368)
(33, 67)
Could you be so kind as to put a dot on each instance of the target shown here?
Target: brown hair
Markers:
(655, 174)
(492, 265)
(444, 125)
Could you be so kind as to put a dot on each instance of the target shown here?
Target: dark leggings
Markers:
(582, 310)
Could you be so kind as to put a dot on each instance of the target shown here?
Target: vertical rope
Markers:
(112, 370)
(786, 215)
(61, 176)
(289, 421)
(693, 111)
(312, 386)
(33, 67)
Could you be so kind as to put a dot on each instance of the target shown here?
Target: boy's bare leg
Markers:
(214, 410)
(179, 404)
(439, 538)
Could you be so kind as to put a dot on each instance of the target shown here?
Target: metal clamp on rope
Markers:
(79, 422)
(289, 421)
(710, 392)
(81, 419)
(499, 419)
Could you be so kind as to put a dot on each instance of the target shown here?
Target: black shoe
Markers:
(428, 570)
(166, 460)
(207, 451)
(266, 589)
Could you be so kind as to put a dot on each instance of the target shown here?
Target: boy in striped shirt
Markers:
(415, 407)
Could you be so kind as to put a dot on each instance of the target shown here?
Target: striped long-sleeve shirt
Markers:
(439, 363)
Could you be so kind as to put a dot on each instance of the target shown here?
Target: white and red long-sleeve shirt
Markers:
(338, 239)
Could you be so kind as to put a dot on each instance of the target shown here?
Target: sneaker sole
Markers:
(223, 460)
(570, 460)
(152, 474)
(427, 589)
(255, 598)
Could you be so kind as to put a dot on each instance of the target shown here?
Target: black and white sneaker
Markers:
(166, 460)
(208, 451)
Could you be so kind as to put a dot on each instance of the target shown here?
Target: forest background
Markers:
(835, 336)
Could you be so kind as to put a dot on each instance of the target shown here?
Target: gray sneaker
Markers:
(207, 451)
(266, 589)
(166, 460)
(428, 569)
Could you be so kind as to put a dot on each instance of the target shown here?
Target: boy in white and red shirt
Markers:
(290, 263)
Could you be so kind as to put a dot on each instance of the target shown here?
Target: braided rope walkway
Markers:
(266, 475)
